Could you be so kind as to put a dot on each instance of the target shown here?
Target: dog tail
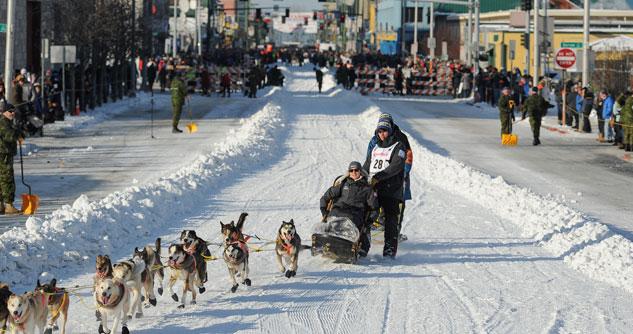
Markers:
(240, 222)
(157, 246)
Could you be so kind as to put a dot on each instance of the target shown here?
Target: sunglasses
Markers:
(354, 170)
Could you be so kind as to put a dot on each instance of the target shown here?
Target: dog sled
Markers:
(336, 238)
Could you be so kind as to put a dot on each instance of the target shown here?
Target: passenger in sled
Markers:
(350, 200)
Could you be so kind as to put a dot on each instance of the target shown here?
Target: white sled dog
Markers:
(287, 248)
(183, 266)
(113, 299)
(236, 251)
(130, 272)
(28, 311)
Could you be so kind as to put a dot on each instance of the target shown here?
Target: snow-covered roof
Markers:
(619, 43)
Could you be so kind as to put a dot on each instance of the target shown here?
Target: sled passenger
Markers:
(352, 198)
(386, 170)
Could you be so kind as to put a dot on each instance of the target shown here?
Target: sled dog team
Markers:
(119, 289)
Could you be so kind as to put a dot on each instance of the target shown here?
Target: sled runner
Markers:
(337, 238)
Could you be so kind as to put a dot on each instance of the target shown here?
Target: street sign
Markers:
(565, 58)
(3, 27)
(571, 45)
(65, 54)
(414, 48)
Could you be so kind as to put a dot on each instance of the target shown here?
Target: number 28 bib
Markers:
(380, 157)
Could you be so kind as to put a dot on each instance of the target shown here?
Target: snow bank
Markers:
(585, 245)
(108, 110)
(71, 236)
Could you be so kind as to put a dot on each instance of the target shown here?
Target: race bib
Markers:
(380, 158)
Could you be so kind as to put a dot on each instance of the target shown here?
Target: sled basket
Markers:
(339, 227)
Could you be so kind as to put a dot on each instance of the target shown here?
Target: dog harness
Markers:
(188, 264)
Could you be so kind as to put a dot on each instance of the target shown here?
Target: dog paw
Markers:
(129, 317)
(288, 273)
(247, 282)
(294, 273)
(152, 301)
(55, 328)
(160, 291)
(234, 288)
(181, 306)
(142, 299)
(174, 297)
(124, 330)
(202, 289)
(193, 302)
(138, 315)
(102, 331)
(48, 331)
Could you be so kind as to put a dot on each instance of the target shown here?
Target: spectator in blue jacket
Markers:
(607, 113)
(579, 100)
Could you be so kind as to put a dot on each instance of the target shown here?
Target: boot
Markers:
(534, 142)
(9, 209)
(600, 138)
(176, 130)
(628, 148)
(621, 146)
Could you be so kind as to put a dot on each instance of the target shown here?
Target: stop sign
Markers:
(565, 58)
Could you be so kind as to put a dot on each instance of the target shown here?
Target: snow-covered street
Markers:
(483, 256)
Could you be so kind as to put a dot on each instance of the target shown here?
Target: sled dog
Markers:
(113, 299)
(236, 251)
(103, 271)
(58, 303)
(287, 247)
(197, 247)
(5, 293)
(130, 272)
(153, 266)
(183, 267)
(28, 311)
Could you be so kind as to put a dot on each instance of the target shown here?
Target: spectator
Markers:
(8, 148)
(607, 114)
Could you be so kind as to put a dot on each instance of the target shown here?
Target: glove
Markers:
(373, 182)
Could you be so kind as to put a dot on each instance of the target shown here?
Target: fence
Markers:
(421, 82)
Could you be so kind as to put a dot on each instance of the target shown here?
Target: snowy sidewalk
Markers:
(471, 264)
(111, 150)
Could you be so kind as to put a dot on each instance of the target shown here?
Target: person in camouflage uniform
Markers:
(8, 148)
(506, 111)
(178, 94)
(626, 118)
(535, 106)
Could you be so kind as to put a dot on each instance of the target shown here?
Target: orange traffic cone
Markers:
(77, 109)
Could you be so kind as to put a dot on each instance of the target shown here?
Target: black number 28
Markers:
(378, 164)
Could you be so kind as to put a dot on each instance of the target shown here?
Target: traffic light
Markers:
(525, 40)
(287, 12)
(258, 13)
(526, 5)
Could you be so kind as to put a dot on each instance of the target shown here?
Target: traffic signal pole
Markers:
(537, 47)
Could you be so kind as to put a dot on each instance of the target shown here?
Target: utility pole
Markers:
(431, 28)
(469, 37)
(585, 47)
(527, 41)
(548, 38)
(174, 48)
(133, 47)
(8, 56)
(537, 46)
(198, 29)
(476, 46)
(415, 33)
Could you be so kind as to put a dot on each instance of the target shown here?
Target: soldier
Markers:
(626, 118)
(178, 94)
(506, 111)
(535, 106)
(8, 148)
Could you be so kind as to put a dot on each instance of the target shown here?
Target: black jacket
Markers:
(391, 179)
(351, 199)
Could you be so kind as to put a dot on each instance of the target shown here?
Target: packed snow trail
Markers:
(466, 268)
